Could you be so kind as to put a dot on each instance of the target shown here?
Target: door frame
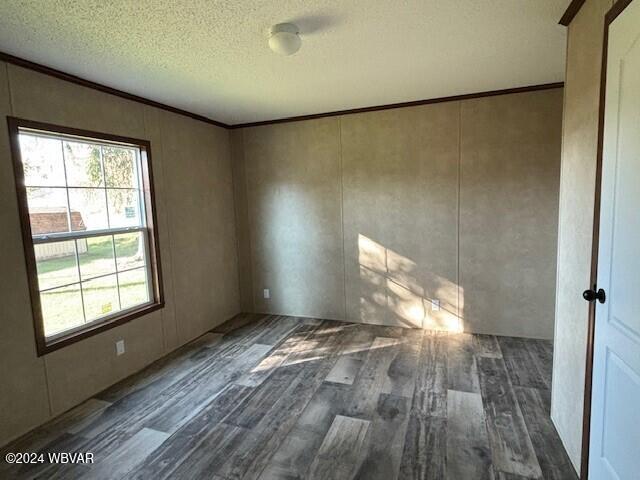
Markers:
(610, 16)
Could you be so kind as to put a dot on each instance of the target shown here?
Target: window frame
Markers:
(45, 345)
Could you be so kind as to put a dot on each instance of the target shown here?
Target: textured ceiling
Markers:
(211, 57)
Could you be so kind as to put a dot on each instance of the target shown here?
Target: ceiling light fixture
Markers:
(284, 39)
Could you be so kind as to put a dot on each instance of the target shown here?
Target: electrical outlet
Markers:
(435, 305)
(266, 293)
(120, 347)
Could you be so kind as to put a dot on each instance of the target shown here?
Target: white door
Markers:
(615, 416)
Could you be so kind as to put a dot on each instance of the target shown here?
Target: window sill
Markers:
(63, 340)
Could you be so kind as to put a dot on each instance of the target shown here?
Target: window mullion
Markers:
(59, 237)
(115, 264)
(148, 266)
(92, 278)
(142, 211)
(66, 186)
(104, 186)
(84, 313)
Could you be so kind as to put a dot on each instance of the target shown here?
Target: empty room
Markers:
(320, 239)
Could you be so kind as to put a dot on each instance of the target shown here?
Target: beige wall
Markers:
(294, 216)
(368, 217)
(510, 168)
(579, 152)
(245, 274)
(400, 178)
(192, 171)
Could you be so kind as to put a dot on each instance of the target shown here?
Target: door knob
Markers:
(592, 295)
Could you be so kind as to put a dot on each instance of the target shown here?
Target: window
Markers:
(88, 225)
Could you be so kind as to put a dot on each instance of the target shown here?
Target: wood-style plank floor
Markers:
(268, 397)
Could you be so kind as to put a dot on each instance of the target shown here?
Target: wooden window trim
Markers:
(42, 345)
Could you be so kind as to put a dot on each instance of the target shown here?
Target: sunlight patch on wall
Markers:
(395, 289)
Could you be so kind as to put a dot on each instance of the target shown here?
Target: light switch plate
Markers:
(266, 293)
(120, 347)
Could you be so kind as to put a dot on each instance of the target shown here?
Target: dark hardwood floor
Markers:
(270, 397)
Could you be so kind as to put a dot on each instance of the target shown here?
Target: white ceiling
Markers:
(211, 57)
